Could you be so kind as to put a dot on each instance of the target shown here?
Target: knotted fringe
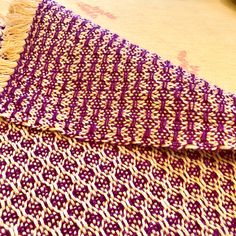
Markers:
(18, 20)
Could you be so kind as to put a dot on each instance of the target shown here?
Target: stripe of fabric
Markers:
(83, 80)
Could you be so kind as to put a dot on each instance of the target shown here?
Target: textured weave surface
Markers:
(86, 81)
(54, 184)
(93, 138)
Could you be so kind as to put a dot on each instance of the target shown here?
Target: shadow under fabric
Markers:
(101, 137)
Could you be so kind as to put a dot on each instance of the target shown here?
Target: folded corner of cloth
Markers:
(99, 136)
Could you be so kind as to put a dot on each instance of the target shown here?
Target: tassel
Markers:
(17, 24)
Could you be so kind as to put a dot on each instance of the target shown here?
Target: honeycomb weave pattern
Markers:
(54, 185)
(93, 137)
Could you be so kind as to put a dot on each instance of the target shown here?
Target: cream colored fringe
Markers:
(17, 23)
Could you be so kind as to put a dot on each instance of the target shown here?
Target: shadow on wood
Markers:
(230, 3)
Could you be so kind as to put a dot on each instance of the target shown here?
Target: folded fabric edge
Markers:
(17, 24)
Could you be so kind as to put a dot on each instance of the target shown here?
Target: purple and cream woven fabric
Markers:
(99, 136)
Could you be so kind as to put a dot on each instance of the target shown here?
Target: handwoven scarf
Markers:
(99, 136)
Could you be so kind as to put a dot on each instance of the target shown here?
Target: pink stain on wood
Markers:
(182, 57)
(94, 11)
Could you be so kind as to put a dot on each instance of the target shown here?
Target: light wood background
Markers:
(199, 35)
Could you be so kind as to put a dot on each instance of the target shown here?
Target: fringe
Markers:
(17, 24)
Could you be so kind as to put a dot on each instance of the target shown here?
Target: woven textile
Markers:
(101, 137)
